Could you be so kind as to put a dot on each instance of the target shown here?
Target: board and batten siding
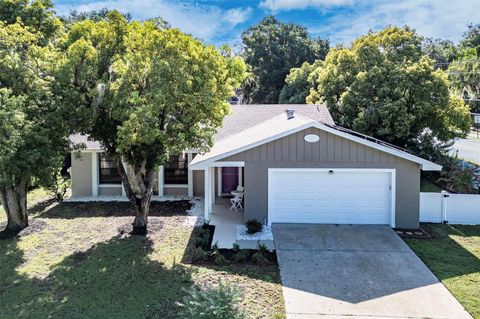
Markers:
(331, 151)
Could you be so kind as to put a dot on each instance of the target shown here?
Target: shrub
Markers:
(456, 178)
(199, 254)
(203, 238)
(209, 302)
(240, 256)
(259, 256)
(236, 248)
(59, 185)
(253, 226)
(218, 258)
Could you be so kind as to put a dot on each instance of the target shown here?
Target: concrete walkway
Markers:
(331, 271)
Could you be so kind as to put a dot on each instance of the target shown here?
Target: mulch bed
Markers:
(229, 254)
(114, 209)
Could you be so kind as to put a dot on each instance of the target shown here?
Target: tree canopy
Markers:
(385, 86)
(32, 130)
(299, 82)
(147, 92)
(464, 71)
(272, 48)
(441, 51)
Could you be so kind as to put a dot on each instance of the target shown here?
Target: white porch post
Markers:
(219, 181)
(212, 185)
(160, 180)
(190, 176)
(94, 174)
(207, 191)
(240, 177)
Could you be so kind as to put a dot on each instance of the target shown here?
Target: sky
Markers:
(341, 21)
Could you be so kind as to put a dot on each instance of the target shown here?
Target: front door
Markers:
(229, 179)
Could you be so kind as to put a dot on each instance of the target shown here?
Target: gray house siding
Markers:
(330, 151)
(198, 183)
(109, 191)
(81, 172)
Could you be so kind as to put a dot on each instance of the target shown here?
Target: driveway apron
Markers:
(353, 271)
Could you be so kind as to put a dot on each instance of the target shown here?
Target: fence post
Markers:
(445, 196)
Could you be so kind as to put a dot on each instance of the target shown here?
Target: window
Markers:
(176, 170)
(108, 170)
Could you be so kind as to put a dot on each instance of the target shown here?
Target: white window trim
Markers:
(392, 172)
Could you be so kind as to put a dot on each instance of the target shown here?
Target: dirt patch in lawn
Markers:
(78, 260)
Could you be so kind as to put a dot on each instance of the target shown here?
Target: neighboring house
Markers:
(296, 167)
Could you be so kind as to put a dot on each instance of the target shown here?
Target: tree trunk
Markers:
(14, 202)
(138, 183)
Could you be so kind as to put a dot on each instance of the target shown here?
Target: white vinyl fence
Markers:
(451, 208)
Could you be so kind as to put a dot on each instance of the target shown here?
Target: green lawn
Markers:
(77, 261)
(453, 255)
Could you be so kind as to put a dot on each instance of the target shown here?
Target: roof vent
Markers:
(290, 114)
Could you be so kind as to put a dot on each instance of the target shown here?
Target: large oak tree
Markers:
(146, 92)
(385, 86)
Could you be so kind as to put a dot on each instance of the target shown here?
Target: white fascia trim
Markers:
(425, 165)
(205, 165)
(393, 181)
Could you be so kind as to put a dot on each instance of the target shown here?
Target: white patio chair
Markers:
(236, 201)
(240, 188)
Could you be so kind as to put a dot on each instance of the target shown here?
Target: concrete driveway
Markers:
(348, 271)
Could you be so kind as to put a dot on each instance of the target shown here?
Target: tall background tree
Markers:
(464, 71)
(32, 132)
(386, 87)
(299, 82)
(271, 49)
(146, 92)
(443, 52)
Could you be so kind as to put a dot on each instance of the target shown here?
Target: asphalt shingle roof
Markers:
(245, 116)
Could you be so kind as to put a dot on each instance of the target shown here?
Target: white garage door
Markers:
(338, 197)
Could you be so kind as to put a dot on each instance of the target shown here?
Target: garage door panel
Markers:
(320, 197)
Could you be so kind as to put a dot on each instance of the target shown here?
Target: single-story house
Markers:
(295, 164)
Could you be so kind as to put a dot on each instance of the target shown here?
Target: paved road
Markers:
(330, 271)
(468, 149)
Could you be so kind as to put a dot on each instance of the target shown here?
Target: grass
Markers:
(429, 187)
(77, 261)
(453, 255)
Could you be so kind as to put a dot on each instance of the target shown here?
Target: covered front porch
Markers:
(221, 178)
